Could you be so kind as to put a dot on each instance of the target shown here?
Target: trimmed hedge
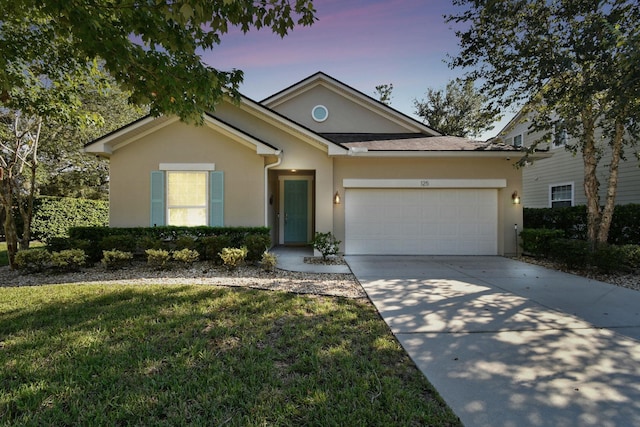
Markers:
(625, 226)
(53, 216)
(537, 242)
(209, 241)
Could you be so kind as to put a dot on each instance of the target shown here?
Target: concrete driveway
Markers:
(506, 343)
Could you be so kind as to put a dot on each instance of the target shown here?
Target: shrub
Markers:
(185, 242)
(608, 258)
(148, 242)
(33, 260)
(122, 243)
(269, 261)
(326, 244)
(186, 256)
(57, 244)
(232, 258)
(211, 247)
(537, 242)
(113, 260)
(572, 253)
(631, 256)
(256, 245)
(53, 216)
(68, 259)
(158, 259)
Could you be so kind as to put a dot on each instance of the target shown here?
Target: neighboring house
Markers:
(558, 181)
(318, 156)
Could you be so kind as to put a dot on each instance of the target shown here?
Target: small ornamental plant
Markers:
(33, 261)
(186, 256)
(269, 261)
(68, 260)
(113, 260)
(233, 258)
(326, 244)
(158, 259)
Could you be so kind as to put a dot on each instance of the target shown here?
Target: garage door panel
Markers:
(421, 221)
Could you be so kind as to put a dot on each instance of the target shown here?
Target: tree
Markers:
(383, 92)
(64, 169)
(458, 110)
(151, 48)
(575, 65)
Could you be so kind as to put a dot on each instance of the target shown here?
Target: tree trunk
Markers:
(612, 185)
(591, 183)
(10, 232)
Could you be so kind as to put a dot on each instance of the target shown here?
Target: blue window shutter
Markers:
(216, 199)
(157, 199)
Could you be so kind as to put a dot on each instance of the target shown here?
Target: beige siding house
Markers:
(558, 180)
(315, 157)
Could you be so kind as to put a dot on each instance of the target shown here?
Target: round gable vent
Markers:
(319, 113)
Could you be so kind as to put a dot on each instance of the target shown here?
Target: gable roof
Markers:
(360, 98)
(148, 124)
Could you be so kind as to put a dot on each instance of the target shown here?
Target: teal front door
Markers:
(296, 215)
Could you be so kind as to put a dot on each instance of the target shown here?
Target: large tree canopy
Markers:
(574, 63)
(151, 47)
(458, 110)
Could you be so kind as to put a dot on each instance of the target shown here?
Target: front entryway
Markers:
(295, 209)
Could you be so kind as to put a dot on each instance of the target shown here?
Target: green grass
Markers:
(179, 355)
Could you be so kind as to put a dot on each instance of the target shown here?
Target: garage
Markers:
(421, 221)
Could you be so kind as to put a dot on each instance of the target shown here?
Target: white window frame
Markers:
(562, 184)
(513, 140)
(168, 207)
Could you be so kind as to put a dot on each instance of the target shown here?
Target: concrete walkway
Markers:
(511, 344)
(291, 258)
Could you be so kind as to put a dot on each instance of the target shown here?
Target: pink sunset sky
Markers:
(362, 43)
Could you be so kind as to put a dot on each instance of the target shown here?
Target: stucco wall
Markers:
(438, 168)
(345, 115)
(132, 164)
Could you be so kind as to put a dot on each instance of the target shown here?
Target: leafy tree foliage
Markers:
(151, 48)
(383, 92)
(575, 64)
(458, 110)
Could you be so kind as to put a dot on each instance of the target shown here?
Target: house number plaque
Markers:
(424, 183)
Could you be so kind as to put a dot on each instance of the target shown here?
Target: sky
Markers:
(363, 43)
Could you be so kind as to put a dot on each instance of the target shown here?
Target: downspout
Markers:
(266, 186)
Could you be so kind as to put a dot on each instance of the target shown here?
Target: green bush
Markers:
(572, 253)
(631, 256)
(537, 242)
(122, 243)
(113, 260)
(625, 224)
(608, 258)
(53, 216)
(158, 259)
(269, 261)
(68, 260)
(33, 260)
(256, 245)
(326, 244)
(149, 242)
(57, 244)
(186, 256)
(185, 242)
(233, 258)
(211, 247)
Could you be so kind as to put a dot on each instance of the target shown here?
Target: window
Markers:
(559, 135)
(319, 113)
(561, 195)
(517, 141)
(187, 197)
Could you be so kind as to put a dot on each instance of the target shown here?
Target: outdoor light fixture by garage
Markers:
(336, 198)
(516, 198)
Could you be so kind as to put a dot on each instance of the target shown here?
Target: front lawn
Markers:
(202, 355)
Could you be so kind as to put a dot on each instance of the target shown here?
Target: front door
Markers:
(296, 212)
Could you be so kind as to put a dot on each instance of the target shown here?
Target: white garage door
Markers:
(421, 221)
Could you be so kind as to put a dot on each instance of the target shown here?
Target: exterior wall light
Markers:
(516, 198)
(336, 198)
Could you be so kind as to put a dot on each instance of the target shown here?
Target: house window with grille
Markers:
(517, 141)
(561, 195)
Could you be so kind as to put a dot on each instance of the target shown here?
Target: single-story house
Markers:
(558, 180)
(318, 156)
